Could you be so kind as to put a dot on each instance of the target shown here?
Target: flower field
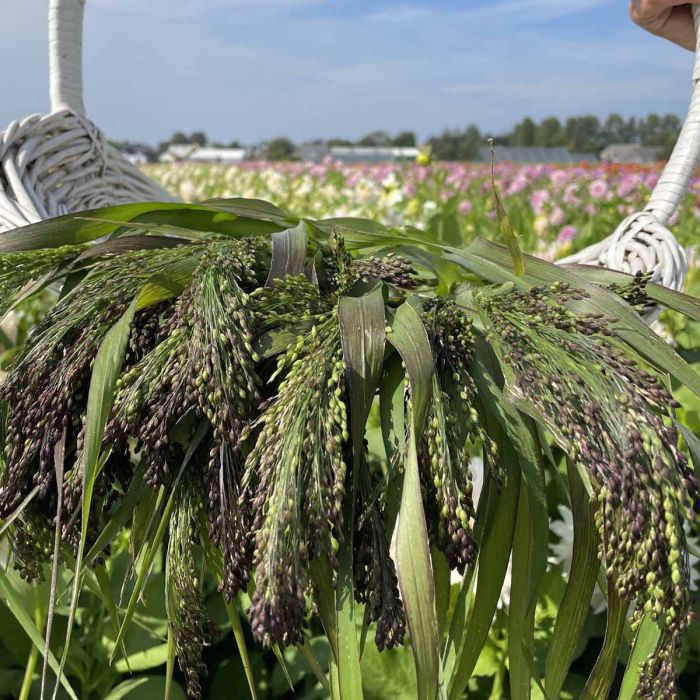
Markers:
(557, 210)
(151, 621)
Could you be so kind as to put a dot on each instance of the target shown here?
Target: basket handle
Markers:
(65, 55)
(643, 242)
(675, 178)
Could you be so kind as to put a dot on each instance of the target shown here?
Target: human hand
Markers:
(670, 19)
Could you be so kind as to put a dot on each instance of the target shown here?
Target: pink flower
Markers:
(570, 194)
(556, 218)
(518, 184)
(598, 189)
(538, 199)
(464, 207)
(568, 233)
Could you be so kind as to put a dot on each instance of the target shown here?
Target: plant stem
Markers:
(29, 673)
(33, 657)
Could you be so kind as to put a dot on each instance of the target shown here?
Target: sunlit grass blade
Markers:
(288, 253)
(414, 570)
(18, 511)
(603, 673)
(645, 642)
(91, 225)
(492, 563)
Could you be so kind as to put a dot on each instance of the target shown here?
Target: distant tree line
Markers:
(282, 148)
(585, 134)
(198, 137)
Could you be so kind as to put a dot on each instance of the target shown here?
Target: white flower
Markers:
(477, 468)
(562, 553)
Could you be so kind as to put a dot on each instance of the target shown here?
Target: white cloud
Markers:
(529, 11)
(399, 14)
(188, 9)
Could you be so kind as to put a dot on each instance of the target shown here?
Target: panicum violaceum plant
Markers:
(217, 367)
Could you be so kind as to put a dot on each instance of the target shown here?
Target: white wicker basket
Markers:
(643, 242)
(60, 162)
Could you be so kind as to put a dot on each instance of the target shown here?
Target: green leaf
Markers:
(413, 563)
(392, 415)
(693, 445)
(362, 234)
(521, 611)
(506, 229)
(129, 242)
(106, 369)
(576, 603)
(645, 642)
(18, 511)
(288, 253)
(125, 689)
(18, 610)
(307, 653)
(363, 336)
(151, 657)
(603, 673)
(670, 298)
(442, 576)
(492, 566)
(409, 337)
(447, 273)
(145, 688)
(278, 340)
(522, 435)
(415, 574)
(105, 588)
(89, 225)
(388, 674)
(251, 208)
(167, 284)
(241, 645)
(120, 515)
(170, 664)
(324, 596)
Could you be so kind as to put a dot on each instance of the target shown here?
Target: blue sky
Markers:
(255, 69)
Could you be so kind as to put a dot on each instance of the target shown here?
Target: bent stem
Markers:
(33, 653)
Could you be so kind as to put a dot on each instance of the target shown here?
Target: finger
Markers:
(671, 19)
